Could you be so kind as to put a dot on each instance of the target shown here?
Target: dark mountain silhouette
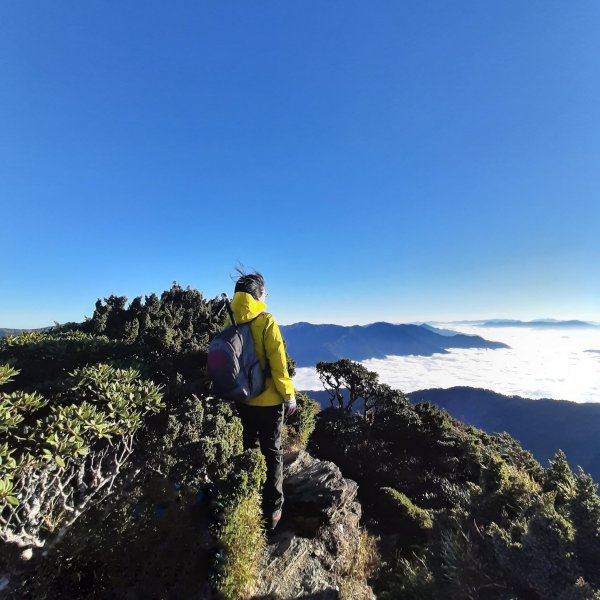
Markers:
(322, 398)
(309, 344)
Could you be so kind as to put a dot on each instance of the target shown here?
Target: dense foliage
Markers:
(299, 427)
(462, 514)
(63, 453)
(180, 321)
(116, 414)
(571, 426)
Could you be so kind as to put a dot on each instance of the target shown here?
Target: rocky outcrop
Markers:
(313, 552)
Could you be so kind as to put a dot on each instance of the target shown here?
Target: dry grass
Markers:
(359, 568)
(244, 542)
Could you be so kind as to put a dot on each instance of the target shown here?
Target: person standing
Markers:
(262, 416)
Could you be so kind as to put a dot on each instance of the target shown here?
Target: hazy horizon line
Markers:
(363, 323)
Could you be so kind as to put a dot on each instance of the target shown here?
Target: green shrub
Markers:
(180, 321)
(547, 554)
(195, 501)
(495, 476)
(239, 528)
(45, 359)
(585, 516)
(299, 427)
(581, 590)
(63, 454)
(195, 442)
(241, 532)
(401, 578)
(243, 540)
(559, 479)
(399, 515)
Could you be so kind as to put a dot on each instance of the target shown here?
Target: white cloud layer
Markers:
(539, 364)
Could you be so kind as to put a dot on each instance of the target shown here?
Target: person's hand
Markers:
(289, 407)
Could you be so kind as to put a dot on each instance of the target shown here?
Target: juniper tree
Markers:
(585, 514)
(359, 382)
(559, 479)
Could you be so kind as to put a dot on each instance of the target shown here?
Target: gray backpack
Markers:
(232, 363)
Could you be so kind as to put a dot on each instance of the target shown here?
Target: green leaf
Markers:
(59, 461)
(12, 500)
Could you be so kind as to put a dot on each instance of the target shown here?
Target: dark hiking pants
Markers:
(262, 429)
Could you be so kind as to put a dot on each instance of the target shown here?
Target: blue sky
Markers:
(392, 160)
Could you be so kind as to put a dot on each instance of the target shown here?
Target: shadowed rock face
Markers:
(314, 491)
(318, 536)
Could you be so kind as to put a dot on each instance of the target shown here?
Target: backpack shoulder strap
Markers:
(229, 309)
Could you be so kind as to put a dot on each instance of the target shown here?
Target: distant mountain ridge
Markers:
(439, 330)
(309, 344)
(5, 332)
(535, 324)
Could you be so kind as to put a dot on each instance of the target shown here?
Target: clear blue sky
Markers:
(377, 160)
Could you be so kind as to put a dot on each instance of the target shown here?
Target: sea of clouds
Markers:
(539, 364)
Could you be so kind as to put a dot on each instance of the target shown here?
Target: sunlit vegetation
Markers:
(462, 514)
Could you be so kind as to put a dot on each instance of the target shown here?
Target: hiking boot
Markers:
(275, 518)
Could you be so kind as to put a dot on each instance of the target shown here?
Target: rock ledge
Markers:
(311, 555)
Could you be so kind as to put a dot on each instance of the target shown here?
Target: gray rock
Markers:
(310, 556)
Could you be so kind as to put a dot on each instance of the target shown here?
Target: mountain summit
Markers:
(309, 343)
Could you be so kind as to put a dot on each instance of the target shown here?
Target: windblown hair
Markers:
(251, 283)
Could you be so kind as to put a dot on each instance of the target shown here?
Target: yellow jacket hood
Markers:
(245, 307)
(269, 347)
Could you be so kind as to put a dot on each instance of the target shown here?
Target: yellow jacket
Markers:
(269, 347)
